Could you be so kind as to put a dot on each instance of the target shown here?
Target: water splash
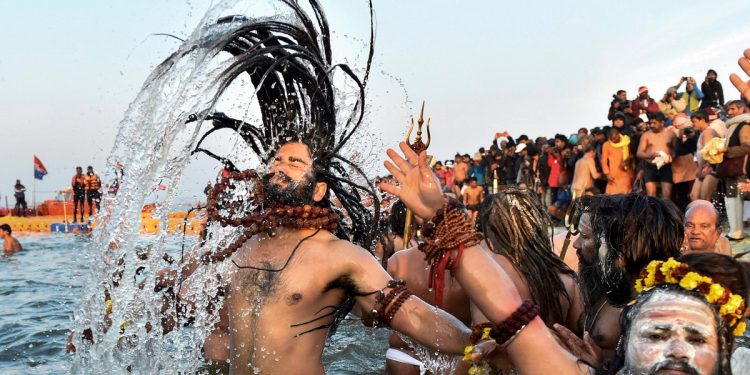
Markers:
(154, 142)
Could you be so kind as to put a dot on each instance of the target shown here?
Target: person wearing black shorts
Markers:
(79, 193)
(656, 148)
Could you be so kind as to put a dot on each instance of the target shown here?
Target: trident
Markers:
(417, 146)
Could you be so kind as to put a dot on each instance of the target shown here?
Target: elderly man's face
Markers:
(734, 110)
(673, 334)
(701, 230)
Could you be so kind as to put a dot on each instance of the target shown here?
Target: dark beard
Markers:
(294, 193)
(667, 364)
(614, 285)
(591, 279)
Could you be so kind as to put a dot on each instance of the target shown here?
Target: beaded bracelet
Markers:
(505, 332)
(387, 305)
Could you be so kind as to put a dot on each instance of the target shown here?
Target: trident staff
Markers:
(418, 146)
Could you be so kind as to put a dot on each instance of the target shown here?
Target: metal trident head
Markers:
(418, 146)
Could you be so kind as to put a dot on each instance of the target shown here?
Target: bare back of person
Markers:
(11, 245)
(409, 265)
(278, 320)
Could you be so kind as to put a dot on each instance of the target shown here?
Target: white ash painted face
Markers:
(673, 334)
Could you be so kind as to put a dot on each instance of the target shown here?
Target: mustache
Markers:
(674, 365)
(268, 176)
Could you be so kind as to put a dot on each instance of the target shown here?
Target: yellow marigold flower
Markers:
(467, 352)
(732, 305)
(639, 285)
(691, 280)
(667, 268)
(715, 293)
(650, 279)
(486, 334)
(739, 330)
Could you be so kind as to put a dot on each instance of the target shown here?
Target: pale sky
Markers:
(68, 70)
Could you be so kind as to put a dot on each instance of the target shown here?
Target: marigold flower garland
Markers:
(731, 306)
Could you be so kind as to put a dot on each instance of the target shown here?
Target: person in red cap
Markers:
(644, 104)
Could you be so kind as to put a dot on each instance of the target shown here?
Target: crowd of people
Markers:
(688, 145)
(652, 290)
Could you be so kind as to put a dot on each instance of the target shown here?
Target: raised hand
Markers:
(738, 82)
(417, 187)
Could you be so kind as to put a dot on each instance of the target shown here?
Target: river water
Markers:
(40, 287)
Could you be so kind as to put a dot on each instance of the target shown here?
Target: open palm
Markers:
(417, 187)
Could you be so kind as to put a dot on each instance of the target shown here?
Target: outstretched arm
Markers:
(428, 325)
(486, 284)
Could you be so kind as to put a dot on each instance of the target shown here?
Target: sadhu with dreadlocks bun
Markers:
(517, 230)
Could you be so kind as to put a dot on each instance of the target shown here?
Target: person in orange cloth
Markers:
(93, 184)
(616, 162)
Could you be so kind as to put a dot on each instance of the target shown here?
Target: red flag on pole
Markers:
(39, 169)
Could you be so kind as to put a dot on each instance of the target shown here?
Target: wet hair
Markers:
(630, 313)
(289, 62)
(397, 218)
(636, 229)
(516, 225)
(723, 269)
(6, 228)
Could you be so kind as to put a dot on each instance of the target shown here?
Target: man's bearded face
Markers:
(290, 180)
(672, 333)
(280, 189)
(598, 267)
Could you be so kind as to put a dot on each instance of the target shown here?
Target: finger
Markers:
(425, 168)
(400, 162)
(411, 156)
(741, 86)
(589, 344)
(572, 341)
(483, 350)
(395, 171)
(747, 53)
(390, 188)
(744, 64)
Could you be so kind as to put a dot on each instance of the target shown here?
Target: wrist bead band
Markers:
(505, 332)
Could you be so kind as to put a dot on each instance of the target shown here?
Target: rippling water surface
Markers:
(39, 288)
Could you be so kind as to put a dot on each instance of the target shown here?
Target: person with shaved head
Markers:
(702, 229)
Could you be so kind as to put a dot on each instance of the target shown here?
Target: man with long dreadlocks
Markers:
(619, 235)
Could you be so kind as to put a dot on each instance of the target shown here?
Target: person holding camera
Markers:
(671, 106)
(691, 96)
(713, 93)
(620, 105)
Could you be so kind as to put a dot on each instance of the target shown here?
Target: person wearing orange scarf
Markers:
(616, 163)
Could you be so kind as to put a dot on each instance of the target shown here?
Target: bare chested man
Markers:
(472, 198)
(657, 148)
(10, 243)
(460, 172)
(618, 237)
(288, 289)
